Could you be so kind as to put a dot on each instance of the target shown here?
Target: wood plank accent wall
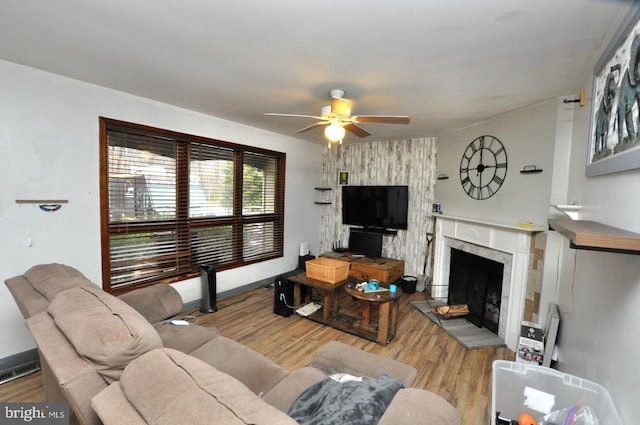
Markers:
(410, 162)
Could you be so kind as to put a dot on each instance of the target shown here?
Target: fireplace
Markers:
(502, 243)
(477, 282)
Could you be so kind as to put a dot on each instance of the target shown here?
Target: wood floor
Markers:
(463, 377)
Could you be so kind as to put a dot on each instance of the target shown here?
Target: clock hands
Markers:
(481, 166)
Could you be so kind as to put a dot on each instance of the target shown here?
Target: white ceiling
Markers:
(445, 63)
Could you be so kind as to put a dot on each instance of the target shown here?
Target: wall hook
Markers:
(581, 99)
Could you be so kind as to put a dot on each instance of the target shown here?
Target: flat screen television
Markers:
(364, 243)
(375, 207)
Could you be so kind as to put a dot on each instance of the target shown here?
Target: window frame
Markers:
(182, 222)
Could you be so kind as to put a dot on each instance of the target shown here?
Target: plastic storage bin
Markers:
(536, 390)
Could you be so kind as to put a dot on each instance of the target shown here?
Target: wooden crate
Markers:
(327, 269)
(385, 270)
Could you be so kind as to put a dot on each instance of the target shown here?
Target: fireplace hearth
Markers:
(477, 282)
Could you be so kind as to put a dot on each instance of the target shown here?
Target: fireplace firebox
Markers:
(477, 282)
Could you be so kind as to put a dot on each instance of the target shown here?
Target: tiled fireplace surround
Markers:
(512, 246)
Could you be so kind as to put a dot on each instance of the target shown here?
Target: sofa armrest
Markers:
(112, 407)
(74, 376)
(29, 301)
(156, 302)
(336, 357)
(414, 406)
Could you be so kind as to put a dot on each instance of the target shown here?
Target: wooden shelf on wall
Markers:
(585, 234)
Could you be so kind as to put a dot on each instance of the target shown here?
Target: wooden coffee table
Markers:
(384, 329)
(328, 291)
(381, 330)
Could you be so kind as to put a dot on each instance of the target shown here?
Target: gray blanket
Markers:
(330, 402)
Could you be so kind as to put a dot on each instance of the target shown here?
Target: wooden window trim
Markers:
(183, 224)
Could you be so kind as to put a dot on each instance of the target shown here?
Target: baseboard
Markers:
(267, 282)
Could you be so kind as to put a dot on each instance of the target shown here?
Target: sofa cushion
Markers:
(51, 279)
(185, 338)
(286, 391)
(254, 370)
(337, 357)
(155, 302)
(103, 329)
(188, 391)
(414, 406)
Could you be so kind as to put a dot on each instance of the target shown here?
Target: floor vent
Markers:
(18, 372)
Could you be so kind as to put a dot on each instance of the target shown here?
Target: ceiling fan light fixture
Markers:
(334, 131)
(336, 119)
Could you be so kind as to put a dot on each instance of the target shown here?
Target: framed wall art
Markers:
(615, 114)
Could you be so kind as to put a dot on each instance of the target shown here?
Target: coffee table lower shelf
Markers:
(353, 325)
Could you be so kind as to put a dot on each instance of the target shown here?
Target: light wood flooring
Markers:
(463, 377)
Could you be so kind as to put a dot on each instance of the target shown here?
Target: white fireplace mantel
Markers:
(512, 240)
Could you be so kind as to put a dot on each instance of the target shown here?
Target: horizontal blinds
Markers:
(143, 198)
(211, 176)
(258, 184)
(175, 204)
(141, 177)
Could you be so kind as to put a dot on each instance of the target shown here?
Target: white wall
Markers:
(598, 292)
(49, 150)
(528, 136)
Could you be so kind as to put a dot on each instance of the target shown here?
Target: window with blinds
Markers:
(171, 202)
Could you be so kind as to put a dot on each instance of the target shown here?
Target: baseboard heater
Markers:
(18, 372)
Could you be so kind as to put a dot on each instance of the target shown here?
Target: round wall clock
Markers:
(483, 167)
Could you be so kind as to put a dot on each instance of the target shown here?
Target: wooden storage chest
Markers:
(385, 270)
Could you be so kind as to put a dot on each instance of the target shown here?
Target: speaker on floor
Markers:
(302, 260)
(282, 296)
(209, 288)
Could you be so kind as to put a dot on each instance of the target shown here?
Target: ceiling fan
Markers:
(336, 118)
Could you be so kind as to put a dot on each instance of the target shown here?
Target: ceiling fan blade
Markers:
(358, 131)
(274, 114)
(312, 126)
(384, 119)
(340, 106)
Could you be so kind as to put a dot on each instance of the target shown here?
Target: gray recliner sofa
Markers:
(117, 360)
